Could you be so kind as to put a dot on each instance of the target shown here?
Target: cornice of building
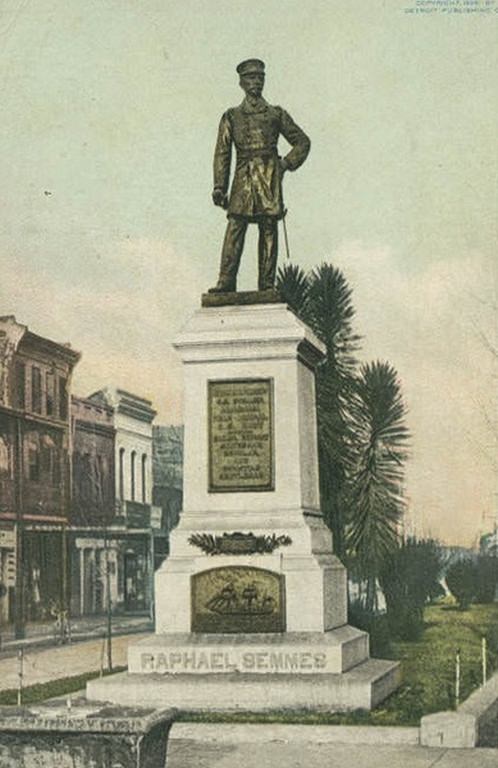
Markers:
(94, 404)
(94, 428)
(51, 349)
(126, 403)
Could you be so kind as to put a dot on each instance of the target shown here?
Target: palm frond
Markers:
(292, 284)
(377, 414)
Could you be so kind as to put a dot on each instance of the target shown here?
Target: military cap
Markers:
(251, 65)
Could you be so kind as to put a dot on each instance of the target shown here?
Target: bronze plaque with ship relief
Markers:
(240, 414)
(238, 598)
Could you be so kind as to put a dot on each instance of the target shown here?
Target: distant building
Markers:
(488, 544)
(135, 534)
(93, 507)
(35, 382)
(167, 445)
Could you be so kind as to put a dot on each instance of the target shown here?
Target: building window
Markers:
(99, 480)
(36, 390)
(56, 466)
(20, 385)
(49, 461)
(121, 473)
(132, 474)
(144, 478)
(62, 398)
(99, 469)
(50, 394)
(33, 463)
(4, 457)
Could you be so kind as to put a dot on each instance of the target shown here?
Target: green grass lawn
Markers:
(428, 668)
(428, 665)
(33, 694)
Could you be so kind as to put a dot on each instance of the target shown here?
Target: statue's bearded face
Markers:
(252, 83)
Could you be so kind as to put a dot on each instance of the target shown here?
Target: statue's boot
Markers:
(233, 245)
(220, 288)
(267, 253)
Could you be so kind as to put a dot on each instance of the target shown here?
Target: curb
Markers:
(314, 734)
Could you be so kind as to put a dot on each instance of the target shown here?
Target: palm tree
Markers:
(377, 413)
(322, 299)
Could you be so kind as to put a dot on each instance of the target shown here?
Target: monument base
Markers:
(331, 652)
(240, 298)
(251, 604)
(328, 671)
(363, 687)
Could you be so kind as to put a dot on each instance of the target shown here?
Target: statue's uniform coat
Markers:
(257, 184)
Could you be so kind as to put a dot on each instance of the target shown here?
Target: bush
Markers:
(487, 577)
(462, 581)
(377, 627)
(406, 622)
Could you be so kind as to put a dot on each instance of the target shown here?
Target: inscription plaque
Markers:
(238, 598)
(240, 435)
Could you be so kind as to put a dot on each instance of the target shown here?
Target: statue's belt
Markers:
(252, 154)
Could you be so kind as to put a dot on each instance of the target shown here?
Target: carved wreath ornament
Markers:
(238, 543)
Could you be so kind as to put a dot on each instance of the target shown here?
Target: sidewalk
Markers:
(41, 665)
(250, 746)
(184, 753)
(43, 633)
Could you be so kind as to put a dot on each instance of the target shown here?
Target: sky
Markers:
(108, 235)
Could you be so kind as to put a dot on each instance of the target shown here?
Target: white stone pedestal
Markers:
(251, 467)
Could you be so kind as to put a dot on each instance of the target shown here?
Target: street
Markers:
(47, 633)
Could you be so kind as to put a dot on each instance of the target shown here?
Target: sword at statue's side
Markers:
(286, 238)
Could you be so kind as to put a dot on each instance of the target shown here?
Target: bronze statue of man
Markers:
(254, 128)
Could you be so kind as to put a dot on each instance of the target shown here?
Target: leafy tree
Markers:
(461, 578)
(410, 578)
(487, 578)
(377, 415)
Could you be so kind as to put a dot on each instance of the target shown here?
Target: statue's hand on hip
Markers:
(282, 164)
(220, 198)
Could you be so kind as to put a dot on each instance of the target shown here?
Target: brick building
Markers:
(35, 381)
(92, 507)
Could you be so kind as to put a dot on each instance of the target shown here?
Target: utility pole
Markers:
(64, 590)
(152, 576)
(457, 679)
(103, 513)
(19, 628)
(484, 660)
(108, 593)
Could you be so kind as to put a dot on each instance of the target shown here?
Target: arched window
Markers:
(121, 473)
(49, 460)
(133, 474)
(36, 389)
(33, 456)
(4, 457)
(144, 478)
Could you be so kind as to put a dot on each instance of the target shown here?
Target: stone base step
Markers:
(330, 652)
(363, 687)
